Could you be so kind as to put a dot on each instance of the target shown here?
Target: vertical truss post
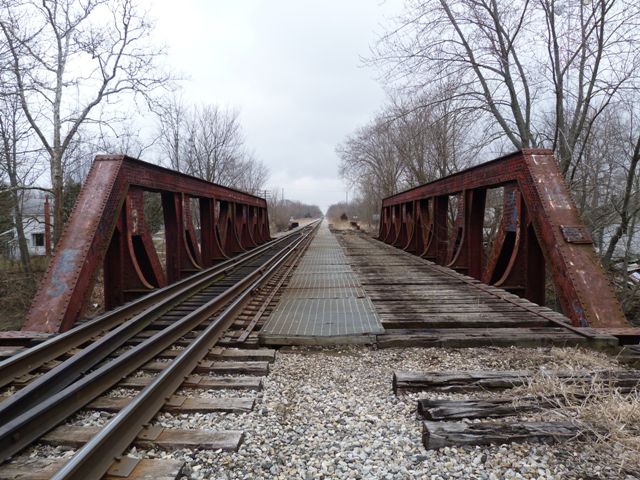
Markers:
(191, 238)
(540, 226)
(475, 205)
(210, 247)
(457, 231)
(423, 226)
(140, 240)
(468, 255)
(174, 241)
(438, 246)
(392, 231)
(261, 225)
(227, 224)
(536, 268)
(516, 262)
(114, 265)
(506, 236)
(131, 266)
(242, 227)
(179, 259)
(403, 226)
(414, 233)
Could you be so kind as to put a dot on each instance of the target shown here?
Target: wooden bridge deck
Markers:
(417, 303)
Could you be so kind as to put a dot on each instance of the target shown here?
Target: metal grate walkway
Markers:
(324, 297)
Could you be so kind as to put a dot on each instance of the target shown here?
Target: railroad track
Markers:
(172, 332)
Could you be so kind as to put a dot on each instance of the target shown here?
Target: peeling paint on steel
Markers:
(87, 237)
(546, 228)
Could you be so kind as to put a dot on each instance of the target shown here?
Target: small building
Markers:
(33, 222)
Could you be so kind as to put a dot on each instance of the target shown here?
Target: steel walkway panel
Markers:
(312, 268)
(323, 280)
(348, 292)
(323, 317)
(323, 297)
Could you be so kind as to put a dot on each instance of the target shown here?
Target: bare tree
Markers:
(68, 57)
(436, 134)
(253, 175)
(18, 158)
(207, 141)
(370, 160)
(214, 144)
(413, 141)
(543, 70)
(172, 117)
(626, 202)
(17, 163)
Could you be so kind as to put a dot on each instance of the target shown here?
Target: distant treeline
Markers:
(282, 210)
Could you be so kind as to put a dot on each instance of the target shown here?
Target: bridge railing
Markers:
(107, 229)
(444, 221)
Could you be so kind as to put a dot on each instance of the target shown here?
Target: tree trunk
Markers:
(11, 168)
(25, 261)
(58, 195)
(624, 213)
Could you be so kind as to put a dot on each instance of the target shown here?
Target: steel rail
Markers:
(96, 456)
(74, 367)
(28, 360)
(32, 424)
(268, 300)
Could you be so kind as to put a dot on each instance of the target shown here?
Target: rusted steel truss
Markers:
(446, 221)
(108, 229)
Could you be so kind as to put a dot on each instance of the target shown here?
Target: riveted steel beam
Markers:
(540, 225)
(107, 229)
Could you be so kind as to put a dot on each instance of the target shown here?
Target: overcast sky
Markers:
(292, 68)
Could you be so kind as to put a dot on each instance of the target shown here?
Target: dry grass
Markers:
(95, 305)
(572, 357)
(17, 291)
(607, 416)
(38, 265)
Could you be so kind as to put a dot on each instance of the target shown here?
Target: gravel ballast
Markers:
(331, 413)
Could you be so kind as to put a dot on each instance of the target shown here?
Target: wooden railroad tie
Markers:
(502, 380)
(152, 437)
(443, 426)
(208, 367)
(178, 404)
(45, 468)
(202, 382)
(482, 337)
(444, 434)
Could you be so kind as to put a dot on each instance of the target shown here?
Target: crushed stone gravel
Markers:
(331, 413)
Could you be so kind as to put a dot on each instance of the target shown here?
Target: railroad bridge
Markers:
(222, 295)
